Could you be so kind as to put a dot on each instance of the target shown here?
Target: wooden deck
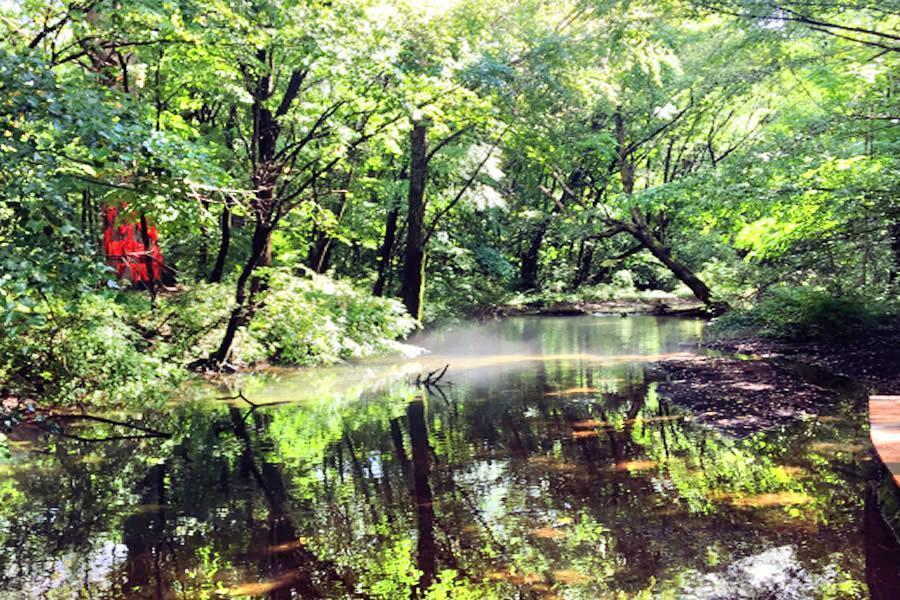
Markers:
(884, 421)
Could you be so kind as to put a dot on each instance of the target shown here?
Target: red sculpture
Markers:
(126, 252)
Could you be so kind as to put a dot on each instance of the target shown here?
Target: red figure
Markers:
(123, 244)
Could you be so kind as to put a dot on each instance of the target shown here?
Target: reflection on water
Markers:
(550, 467)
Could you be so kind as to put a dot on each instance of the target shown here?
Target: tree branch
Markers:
(468, 183)
(446, 141)
(293, 88)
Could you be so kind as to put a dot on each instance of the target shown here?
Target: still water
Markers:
(545, 464)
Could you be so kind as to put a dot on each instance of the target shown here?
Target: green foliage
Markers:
(759, 154)
(451, 586)
(188, 322)
(809, 313)
(313, 320)
(116, 347)
(83, 352)
(843, 587)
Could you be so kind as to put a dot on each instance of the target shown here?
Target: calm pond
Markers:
(544, 464)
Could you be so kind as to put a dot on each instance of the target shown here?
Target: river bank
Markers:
(746, 384)
(872, 359)
(658, 306)
(742, 397)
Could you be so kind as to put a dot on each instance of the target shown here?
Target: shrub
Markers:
(111, 346)
(85, 351)
(314, 320)
(192, 321)
(806, 313)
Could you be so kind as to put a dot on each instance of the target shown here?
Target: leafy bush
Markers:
(806, 313)
(83, 351)
(463, 280)
(113, 346)
(314, 320)
(191, 321)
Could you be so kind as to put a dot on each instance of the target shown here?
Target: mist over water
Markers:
(544, 465)
(479, 350)
(536, 337)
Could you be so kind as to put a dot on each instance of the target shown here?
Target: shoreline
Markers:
(873, 361)
(667, 307)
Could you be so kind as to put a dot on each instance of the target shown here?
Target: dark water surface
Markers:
(550, 467)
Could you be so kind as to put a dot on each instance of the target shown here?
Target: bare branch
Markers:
(446, 141)
(60, 23)
(466, 186)
(296, 147)
(293, 88)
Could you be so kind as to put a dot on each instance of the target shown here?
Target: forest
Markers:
(193, 191)
(325, 176)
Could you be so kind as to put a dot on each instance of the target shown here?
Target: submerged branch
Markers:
(150, 432)
(240, 396)
(432, 377)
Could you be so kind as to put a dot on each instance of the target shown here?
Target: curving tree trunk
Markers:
(244, 292)
(684, 273)
(641, 231)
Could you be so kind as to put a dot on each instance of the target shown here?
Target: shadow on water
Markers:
(548, 467)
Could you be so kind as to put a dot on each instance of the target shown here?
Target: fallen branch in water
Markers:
(240, 396)
(56, 429)
(432, 377)
(112, 438)
(148, 431)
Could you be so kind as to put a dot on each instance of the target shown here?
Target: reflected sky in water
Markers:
(546, 465)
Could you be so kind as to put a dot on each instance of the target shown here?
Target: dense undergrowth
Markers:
(811, 313)
(115, 346)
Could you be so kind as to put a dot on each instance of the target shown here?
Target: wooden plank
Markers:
(884, 429)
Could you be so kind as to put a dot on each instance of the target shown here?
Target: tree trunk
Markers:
(626, 168)
(412, 289)
(265, 177)
(257, 284)
(148, 258)
(585, 260)
(528, 270)
(225, 228)
(86, 212)
(386, 251)
(678, 268)
(242, 311)
(421, 463)
(203, 251)
(895, 246)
